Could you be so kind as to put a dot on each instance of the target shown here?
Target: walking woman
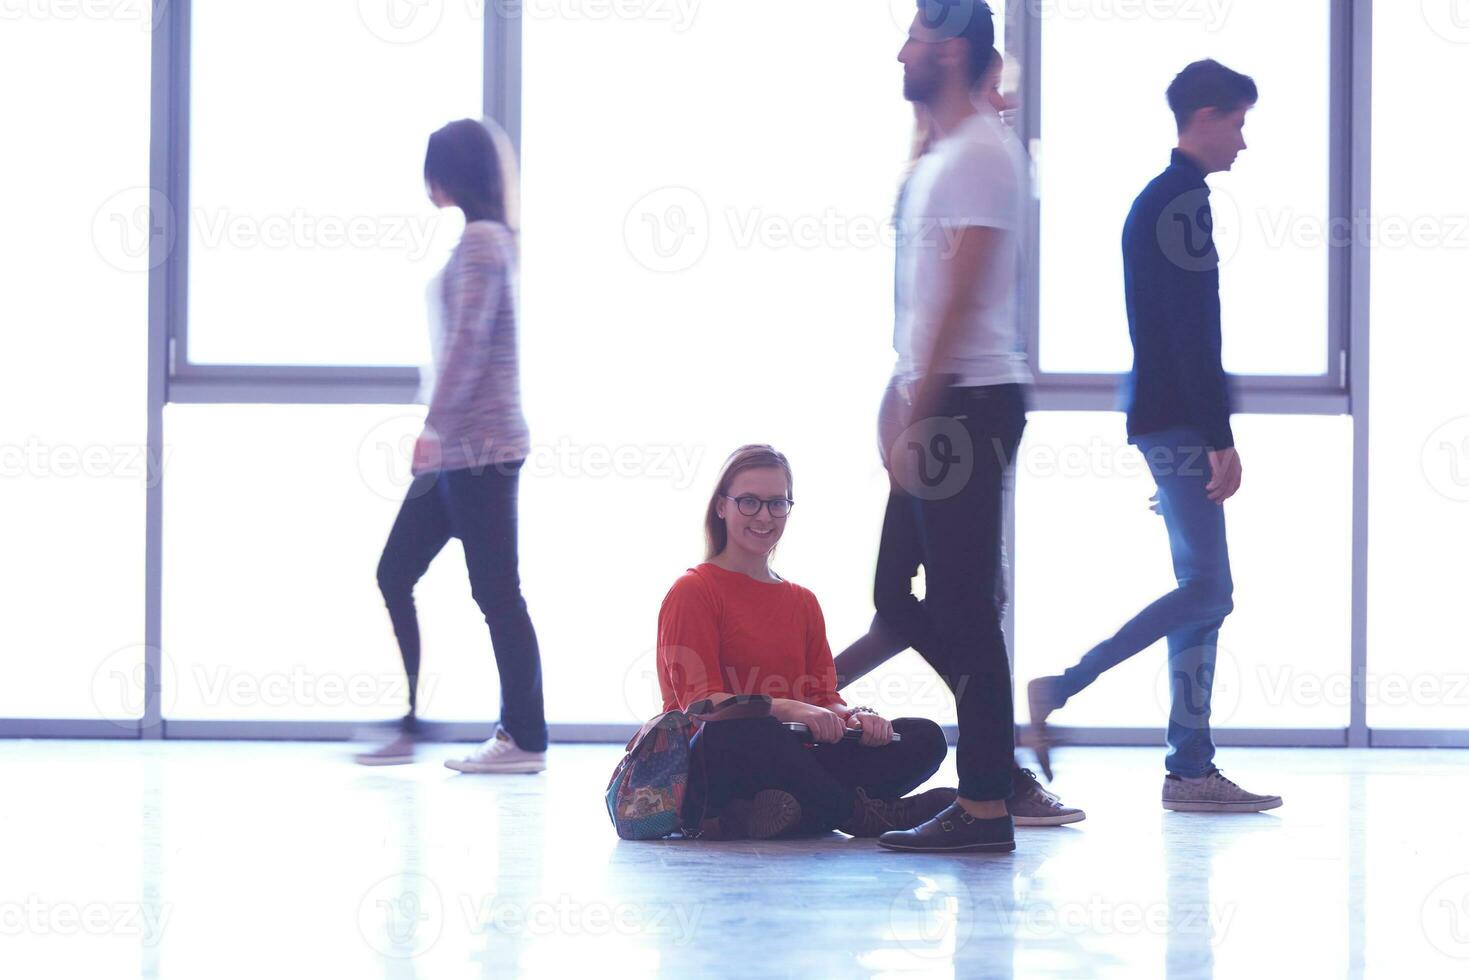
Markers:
(467, 462)
(733, 626)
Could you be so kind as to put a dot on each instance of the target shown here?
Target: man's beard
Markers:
(918, 89)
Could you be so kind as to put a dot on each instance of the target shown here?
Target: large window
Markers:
(310, 235)
(73, 385)
(706, 261)
(1090, 554)
(706, 249)
(1107, 131)
(1419, 673)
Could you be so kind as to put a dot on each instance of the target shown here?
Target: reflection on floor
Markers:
(261, 860)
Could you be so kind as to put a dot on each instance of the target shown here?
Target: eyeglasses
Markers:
(750, 505)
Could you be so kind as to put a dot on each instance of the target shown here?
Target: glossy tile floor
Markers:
(264, 860)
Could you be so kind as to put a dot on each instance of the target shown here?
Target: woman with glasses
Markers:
(733, 626)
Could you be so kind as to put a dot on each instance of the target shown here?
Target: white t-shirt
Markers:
(976, 176)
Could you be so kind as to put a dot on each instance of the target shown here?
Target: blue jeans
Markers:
(1190, 615)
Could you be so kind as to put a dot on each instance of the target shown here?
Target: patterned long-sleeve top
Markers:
(474, 412)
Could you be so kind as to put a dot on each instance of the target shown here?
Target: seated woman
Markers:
(732, 626)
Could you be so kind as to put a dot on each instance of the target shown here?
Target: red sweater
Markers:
(724, 631)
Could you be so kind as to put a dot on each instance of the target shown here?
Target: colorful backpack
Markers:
(649, 791)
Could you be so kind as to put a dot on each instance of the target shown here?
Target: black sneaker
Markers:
(1032, 805)
(955, 829)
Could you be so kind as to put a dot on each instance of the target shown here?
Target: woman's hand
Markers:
(876, 730)
(826, 726)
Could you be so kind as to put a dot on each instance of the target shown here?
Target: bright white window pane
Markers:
(1090, 554)
(697, 256)
(311, 237)
(73, 396)
(1107, 132)
(274, 520)
(1418, 656)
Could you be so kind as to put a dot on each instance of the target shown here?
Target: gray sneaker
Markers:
(1212, 793)
(1032, 805)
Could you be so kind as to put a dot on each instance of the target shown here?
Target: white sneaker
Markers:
(499, 754)
(398, 752)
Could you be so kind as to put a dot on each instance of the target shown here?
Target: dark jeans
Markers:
(957, 539)
(478, 508)
(1190, 615)
(738, 759)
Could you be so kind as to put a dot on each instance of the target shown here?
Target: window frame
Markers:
(173, 378)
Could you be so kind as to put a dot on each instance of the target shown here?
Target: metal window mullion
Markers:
(502, 78)
(167, 282)
(1354, 84)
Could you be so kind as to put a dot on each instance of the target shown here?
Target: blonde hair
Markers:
(752, 457)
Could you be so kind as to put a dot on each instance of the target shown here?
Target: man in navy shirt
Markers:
(1178, 415)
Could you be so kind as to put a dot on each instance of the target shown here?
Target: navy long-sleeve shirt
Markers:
(1171, 275)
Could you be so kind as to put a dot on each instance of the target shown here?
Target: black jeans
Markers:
(956, 536)
(737, 759)
(479, 508)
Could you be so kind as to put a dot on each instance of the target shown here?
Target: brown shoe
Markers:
(954, 830)
(873, 817)
(1043, 700)
(771, 813)
(1032, 805)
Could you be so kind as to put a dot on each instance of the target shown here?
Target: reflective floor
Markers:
(260, 860)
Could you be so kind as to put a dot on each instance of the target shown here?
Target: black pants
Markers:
(738, 759)
(478, 508)
(957, 538)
